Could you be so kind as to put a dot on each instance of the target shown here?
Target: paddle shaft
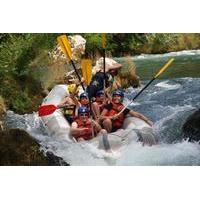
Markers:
(103, 35)
(143, 89)
(104, 67)
(79, 78)
(136, 96)
(156, 76)
(87, 74)
(90, 105)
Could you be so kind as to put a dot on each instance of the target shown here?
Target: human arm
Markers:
(96, 126)
(66, 101)
(140, 116)
(107, 93)
(74, 130)
(74, 99)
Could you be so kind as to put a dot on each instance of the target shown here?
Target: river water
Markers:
(168, 101)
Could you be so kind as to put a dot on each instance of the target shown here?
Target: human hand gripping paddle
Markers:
(50, 108)
(156, 76)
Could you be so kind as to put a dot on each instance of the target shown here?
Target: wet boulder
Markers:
(18, 148)
(191, 128)
(128, 69)
(77, 43)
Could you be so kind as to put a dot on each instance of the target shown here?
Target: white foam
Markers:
(171, 54)
(168, 86)
(171, 112)
(183, 153)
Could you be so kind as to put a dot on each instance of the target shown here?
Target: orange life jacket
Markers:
(87, 134)
(116, 108)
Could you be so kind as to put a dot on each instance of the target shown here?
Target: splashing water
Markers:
(167, 108)
(167, 102)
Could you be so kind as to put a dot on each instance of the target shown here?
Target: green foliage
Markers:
(123, 44)
(162, 42)
(17, 51)
(21, 53)
(21, 102)
(93, 43)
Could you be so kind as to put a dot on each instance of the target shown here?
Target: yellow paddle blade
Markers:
(164, 67)
(103, 35)
(86, 66)
(65, 46)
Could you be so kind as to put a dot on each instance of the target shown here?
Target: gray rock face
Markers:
(191, 128)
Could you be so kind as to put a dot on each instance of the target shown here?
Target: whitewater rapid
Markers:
(167, 102)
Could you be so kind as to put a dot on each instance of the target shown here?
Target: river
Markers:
(168, 101)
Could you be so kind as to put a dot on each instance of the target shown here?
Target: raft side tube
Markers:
(56, 122)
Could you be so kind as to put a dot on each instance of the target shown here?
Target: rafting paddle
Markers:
(156, 76)
(65, 46)
(86, 67)
(48, 109)
(103, 35)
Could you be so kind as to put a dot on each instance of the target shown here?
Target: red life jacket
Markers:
(116, 108)
(87, 134)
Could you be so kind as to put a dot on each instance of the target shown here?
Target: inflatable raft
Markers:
(134, 129)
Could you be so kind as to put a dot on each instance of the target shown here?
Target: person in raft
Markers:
(111, 121)
(83, 101)
(83, 126)
(70, 102)
(97, 81)
(100, 101)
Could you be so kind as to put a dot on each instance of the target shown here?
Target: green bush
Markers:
(21, 102)
(17, 52)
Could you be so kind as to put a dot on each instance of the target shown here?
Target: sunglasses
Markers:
(84, 115)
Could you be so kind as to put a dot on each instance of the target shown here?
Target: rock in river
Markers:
(191, 127)
(18, 148)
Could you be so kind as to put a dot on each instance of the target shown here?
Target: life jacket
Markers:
(69, 110)
(116, 108)
(87, 134)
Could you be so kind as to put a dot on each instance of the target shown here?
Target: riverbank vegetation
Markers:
(22, 56)
(141, 43)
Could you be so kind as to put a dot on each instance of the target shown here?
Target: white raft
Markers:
(134, 129)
